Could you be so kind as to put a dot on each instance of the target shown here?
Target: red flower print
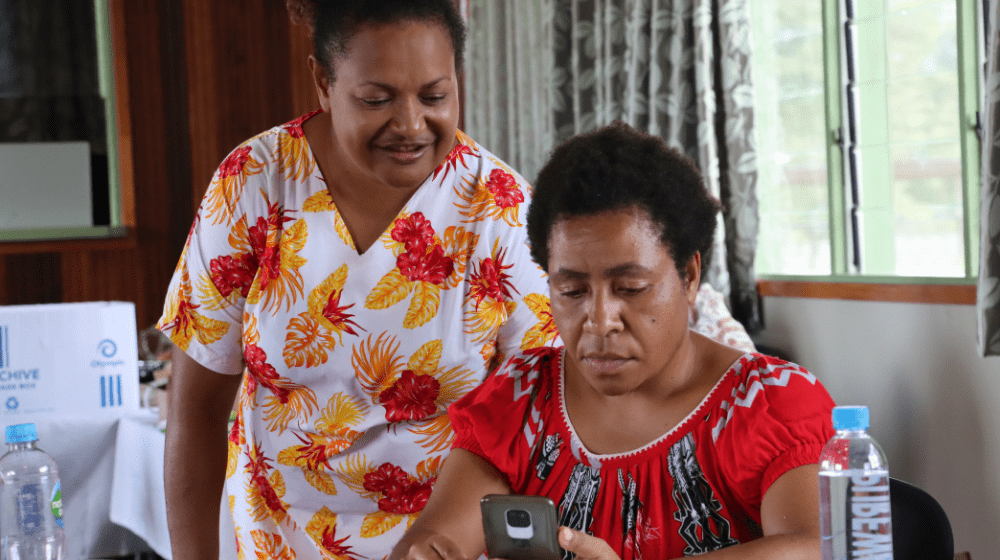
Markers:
(503, 187)
(411, 397)
(234, 433)
(258, 468)
(491, 280)
(411, 499)
(262, 372)
(415, 232)
(387, 479)
(433, 266)
(456, 156)
(231, 272)
(233, 164)
(338, 315)
(183, 320)
(335, 547)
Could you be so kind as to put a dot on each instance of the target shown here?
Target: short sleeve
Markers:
(777, 419)
(203, 310)
(500, 419)
(529, 320)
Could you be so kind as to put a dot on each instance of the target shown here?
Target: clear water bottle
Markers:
(31, 526)
(855, 514)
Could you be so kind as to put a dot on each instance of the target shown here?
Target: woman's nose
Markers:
(408, 119)
(604, 315)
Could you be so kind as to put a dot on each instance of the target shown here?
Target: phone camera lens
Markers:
(518, 518)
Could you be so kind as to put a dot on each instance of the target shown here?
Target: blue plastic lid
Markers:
(20, 433)
(850, 418)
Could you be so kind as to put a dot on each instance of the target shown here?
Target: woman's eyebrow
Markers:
(392, 88)
(626, 269)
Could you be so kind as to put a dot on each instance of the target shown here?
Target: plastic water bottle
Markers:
(855, 514)
(31, 526)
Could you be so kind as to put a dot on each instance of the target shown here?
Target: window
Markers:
(867, 148)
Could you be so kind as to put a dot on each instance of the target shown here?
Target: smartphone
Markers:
(520, 527)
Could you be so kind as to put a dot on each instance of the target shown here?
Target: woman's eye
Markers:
(434, 98)
(375, 102)
(631, 291)
(572, 292)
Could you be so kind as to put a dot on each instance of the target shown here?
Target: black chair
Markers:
(920, 527)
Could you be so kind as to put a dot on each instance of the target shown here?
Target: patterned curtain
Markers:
(988, 291)
(539, 72)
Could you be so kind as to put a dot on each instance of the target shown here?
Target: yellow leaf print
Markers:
(293, 400)
(426, 358)
(264, 491)
(390, 290)
(306, 342)
(341, 410)
(210, 297)
(227, 186)
(293, 156)
(320, 201)
(352, 473)
(464, 138)
(455, 383)
(544, 331)
(437, 433)
(376, 365)
(378, 523)
(459, 245)
(268, 546)
(239, 236)
(279, 280)
(429, 468)
(321, 481)
(323, 519)
(423, 306)
(397, 247)
(323, 202)
(184, 323)
(311, 334)
(486, 321)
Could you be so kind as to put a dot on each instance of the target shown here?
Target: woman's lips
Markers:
(405, 153)
(603, 364)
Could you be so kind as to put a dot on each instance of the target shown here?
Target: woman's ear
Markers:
(321, 80)
(693, 269)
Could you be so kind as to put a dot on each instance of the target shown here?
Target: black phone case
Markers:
(543, 543)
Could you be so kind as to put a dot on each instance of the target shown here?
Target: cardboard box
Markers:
(67, 359)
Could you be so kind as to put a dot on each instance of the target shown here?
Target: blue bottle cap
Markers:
(850, 418)
(21, 433)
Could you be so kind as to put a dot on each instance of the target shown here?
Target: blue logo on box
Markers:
(111, 390)
(108, 348)
(4, 348)
(12, 403)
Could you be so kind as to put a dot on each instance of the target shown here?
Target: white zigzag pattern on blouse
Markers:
(776, 375)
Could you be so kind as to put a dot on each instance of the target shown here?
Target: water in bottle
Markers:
(854, 508)
(31, 526)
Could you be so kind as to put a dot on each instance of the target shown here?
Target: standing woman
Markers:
(361, 267)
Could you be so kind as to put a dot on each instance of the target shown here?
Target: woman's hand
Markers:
(585, 546)
(428, 546)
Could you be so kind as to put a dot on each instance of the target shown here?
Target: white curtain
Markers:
(539, 72)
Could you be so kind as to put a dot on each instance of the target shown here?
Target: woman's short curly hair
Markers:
(618, 167)
(333, 23)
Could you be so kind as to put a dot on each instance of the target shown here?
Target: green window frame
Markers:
(842, 251)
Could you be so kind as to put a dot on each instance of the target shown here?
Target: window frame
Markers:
(842, 283)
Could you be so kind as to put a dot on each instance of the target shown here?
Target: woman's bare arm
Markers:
(195, 455)
(451, 527)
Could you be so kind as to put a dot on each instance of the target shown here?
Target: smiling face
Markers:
(394, 103)
(618, 301)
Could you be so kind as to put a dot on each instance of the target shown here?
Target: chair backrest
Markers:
(920, 527)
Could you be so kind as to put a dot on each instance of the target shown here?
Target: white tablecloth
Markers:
(137, 493)
(84, 450)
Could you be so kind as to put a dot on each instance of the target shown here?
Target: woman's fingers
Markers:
(435, 547)
(585, 546)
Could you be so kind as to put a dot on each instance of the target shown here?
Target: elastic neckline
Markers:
(600, 459)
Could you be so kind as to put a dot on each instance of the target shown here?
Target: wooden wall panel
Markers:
(201, 77)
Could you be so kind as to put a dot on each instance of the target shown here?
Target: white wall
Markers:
(935, 403)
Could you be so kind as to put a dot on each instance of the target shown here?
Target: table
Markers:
(84, 450)
(137, 498)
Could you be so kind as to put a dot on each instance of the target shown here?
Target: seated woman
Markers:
(653, 441)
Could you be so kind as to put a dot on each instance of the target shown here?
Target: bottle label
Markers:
(56, 504)
(871, 517)
(29, 509)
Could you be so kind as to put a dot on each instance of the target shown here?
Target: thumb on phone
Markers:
(585, 546)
